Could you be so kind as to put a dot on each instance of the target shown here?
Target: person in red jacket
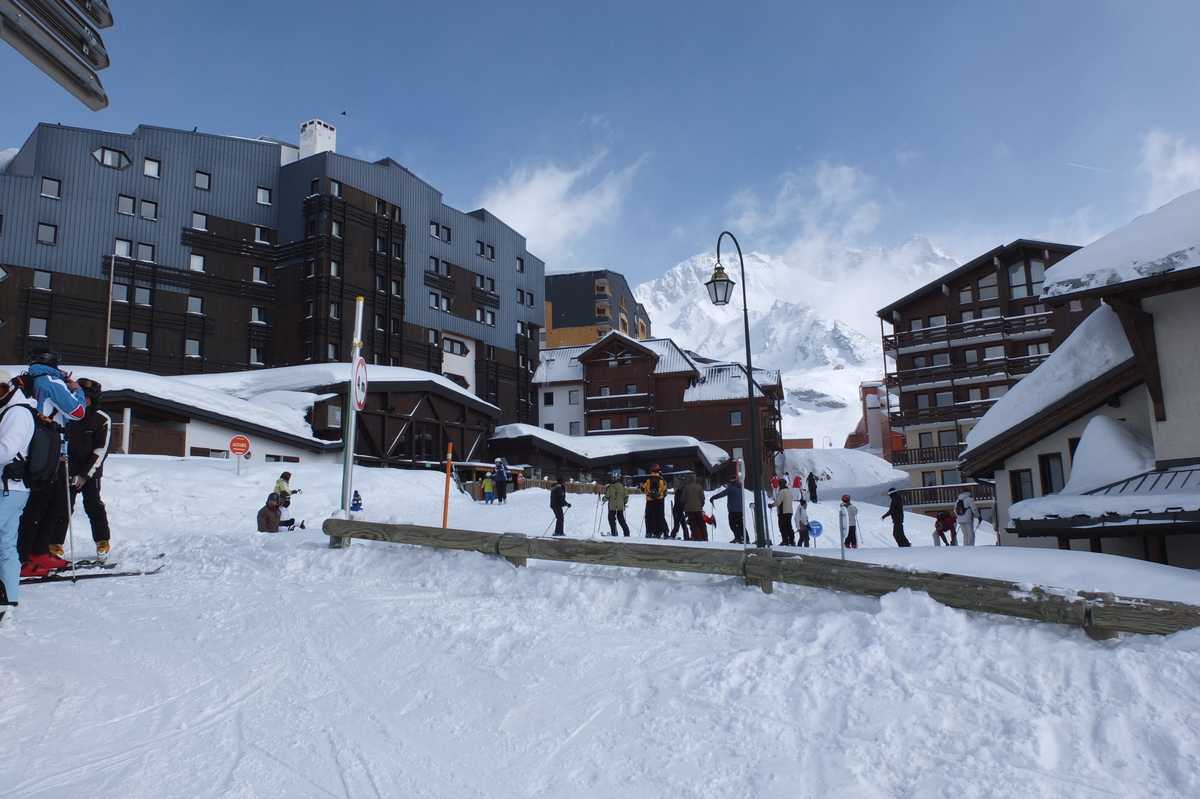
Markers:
(944, 524)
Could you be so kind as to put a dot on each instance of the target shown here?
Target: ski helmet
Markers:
(845, 497)
(44, 354)
(655, 468)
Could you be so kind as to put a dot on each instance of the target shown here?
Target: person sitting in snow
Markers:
(268, 515)
(284, 491)
(489, 489)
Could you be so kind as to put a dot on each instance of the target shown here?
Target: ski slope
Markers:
(272, 666)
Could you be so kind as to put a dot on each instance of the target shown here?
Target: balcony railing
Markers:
(976, 328)
(946, 495)
(1002, 368)
(915, 457)
(940, 413)
(622, 402)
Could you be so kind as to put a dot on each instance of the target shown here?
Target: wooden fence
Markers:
(1102, 615)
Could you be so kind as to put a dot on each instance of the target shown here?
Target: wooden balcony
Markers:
(927, 455)
(940, 413)
(1001, 368)
(977, 328)
(623, 402)
(945, 496)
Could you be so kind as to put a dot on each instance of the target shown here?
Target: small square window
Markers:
(263, 196)
(116, 337)
(195, 305)
(520, 264)
(256, 356)
(123, 248)
(337, 230)
(433, 337)
(120, 292)
(140, 340)
(141, 295)
(380, 207)
(260, 235)
(335, 188)
(152, 168)
(258, 316)
(435, 230)
(480, 248)
(196, 262)
(38, 326)
(258, 274)
(335, 310)
(380, 244)
(203, 181)
(191, 348)
(41, 280)
(434, 300)
(396, 288)
(380, 283)
(574, 428)
(489, 318)
(573, 396)
(199, 221)
(125, 205)
(379, 321)
(735, 418)
(335, 268)
(334, 352)
(47, 234)
(145, 252)
(149, 210)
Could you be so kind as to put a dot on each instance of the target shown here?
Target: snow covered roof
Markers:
(726, 381)
(1158, 243)
(599, 448)
(1094, 351)
(561, 364)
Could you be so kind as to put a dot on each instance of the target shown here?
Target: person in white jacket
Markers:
(968, 516)
(849, 518)
(16, 429)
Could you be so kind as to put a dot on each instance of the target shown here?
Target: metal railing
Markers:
(912, 457)
(946, 495)
(976, 328)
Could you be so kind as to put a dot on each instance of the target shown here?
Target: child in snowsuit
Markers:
(849, 516)
(284, 491)
(489, 489)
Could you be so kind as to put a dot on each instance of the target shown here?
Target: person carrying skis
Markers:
(944, 523)
(655, 489)
(500, 476)
(489, 488)
(617, 498)
(783, 501)
(732, 494)
(16, 430)
(558, 501)
(87, 447)
(801, 521)
(812, 487)
(693, 505)
(968, 515)
(285, 492)
(896, 511)
(268, 515)
(849, 519)
(60, 398)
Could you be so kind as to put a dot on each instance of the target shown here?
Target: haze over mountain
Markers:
(815, 322)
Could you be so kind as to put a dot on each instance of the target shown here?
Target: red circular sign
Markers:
(359, 384)
(239, 445)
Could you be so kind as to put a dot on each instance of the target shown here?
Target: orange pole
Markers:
(446, 500)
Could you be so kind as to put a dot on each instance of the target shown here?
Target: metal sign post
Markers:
(356, 399)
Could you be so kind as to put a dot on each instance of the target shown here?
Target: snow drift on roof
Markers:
(1166, 240)
(594, 447)
(1096, 347)
(1109, 451)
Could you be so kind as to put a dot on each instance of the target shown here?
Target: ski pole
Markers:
(70, 524)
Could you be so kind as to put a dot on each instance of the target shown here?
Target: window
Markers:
(606, 424)
(735, 418)
(520, 296)
(380, 207)
(335, 188)
(337, 230)
(994, 352)
(396, 330)
(573, 396)
(435, 300)
(631, 388)
(379, 321)
(260, 235)
(203, 181)
(41, 280)
(941, 358)
(947, 438)
(258, 315)
(928, 479)
(455, 347)
(989, 313)
(485, 283)
(256, 356)
(149, 210)
(951, 477)
(631, 422)
(549, 427)
(605, 391)
(335, 268)
(140, 340)
(967, 316)
(335, 310)
(964, 296)
(433, 337)
(195, 305)
(47, 234)
(1021, 484)
(191, 348)
(152, 168)
(439, 232)
(737, 453)
(489, 318)
(199, 221)
(480, 248)
(263, 196)
(975, 394)
(116, 337)
(1051, 468)
(111, 158)
(1017, 278)
(574, 428)
(258, 274)
(38, 326)
(547, 399)
(396, 288)
(1041, 348)
(334, 352)
(120, 292)
(996, 392)
(141, 295)
(970, 356)
(125, 205)
(309, 307)
(916, 324)
(380, 244)
(145, 252)
(937, 321)
(987, 287)
(920, 361)
(123, 248)
(196, 262)
(922, 401)
(925, 440)
(943, 398)
(1076, 306)
(1037, 307)
(520, 264)
(520, 328)
(397, 250)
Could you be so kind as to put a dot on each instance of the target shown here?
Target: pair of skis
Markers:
(101, 570)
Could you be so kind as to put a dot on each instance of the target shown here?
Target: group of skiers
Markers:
(50, 453)
(495, 484)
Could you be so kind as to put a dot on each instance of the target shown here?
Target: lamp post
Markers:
(720, 288)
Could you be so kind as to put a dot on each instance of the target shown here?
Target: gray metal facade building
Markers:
(228, 253)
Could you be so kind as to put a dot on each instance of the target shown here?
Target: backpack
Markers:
(45, 451)
(657, 487)
(960, 508)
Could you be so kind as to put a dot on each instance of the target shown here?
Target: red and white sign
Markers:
(239, 445)
(359, 385)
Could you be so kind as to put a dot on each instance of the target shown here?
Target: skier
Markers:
(489, 489)
(284, 490)
(16, 429)
(501, 476)
(60, 398)
(812, 487)
(617, 498)
(558, 501)
(87, 447)
(268, 515)
(783, 501)
(896, 511)
(732, 494)
(968, 516)
(802, 526)
(797, 488)
(849, 517)
(943, 523)
(693, 505)
(655, 489)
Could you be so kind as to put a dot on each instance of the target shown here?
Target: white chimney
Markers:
(317, 137)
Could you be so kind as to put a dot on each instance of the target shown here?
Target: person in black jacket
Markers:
(558, 501)
(87, 447)
(896, 511)
(733, 495)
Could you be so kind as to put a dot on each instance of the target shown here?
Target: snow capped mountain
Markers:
(796, 312)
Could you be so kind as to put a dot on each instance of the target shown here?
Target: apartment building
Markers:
(582, 307)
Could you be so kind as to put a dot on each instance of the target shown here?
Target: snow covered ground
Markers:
(271, 666)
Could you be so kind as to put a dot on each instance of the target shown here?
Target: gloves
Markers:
(295, 491)
(78, 481)
(568, 504)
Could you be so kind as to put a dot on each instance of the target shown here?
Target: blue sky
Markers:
(628, 135)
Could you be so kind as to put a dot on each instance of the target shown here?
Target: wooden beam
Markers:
(1139, 330)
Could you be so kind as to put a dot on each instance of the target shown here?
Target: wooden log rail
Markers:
(1102, 615)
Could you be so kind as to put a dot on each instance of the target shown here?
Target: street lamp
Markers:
(720, 289)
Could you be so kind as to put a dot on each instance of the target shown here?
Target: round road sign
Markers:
(239, 445)
(359, 384)
(815, 529)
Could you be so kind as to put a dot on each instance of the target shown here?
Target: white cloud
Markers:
(555, 207)
(1170, 167)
